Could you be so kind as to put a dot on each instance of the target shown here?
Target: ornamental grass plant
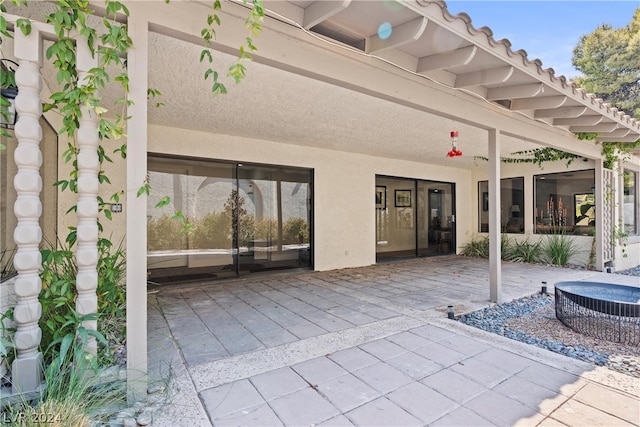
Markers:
(74, 394)
(479, 247)
(559, 249)
(524, 251)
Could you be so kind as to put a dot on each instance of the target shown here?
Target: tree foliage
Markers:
(608, 58)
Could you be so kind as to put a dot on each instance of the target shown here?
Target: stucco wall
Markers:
(344, 209)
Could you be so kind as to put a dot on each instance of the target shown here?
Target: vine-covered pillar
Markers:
(136, 207)
(27, 370)
(88, 185)
(495, 227)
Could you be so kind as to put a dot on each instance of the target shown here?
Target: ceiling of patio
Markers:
(276, 105)
(279, 106)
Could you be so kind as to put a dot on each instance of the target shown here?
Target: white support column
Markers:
(27, 368)
(495, 267)
(618, 213)
(600, 206)
(88, 185)
(136, 208)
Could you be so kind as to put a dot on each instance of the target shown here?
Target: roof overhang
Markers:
(423, 38)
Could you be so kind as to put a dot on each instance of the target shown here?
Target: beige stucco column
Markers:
(136, 207)
(495, 267)
(27, 368)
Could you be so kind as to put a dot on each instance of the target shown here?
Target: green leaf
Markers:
(24, 25)
(163, 202)
(144, 189)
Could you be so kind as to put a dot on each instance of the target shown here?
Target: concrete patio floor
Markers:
(370, 346)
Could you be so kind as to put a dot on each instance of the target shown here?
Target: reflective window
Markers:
(511, 208)
(414, 218)
(226, 219)
(630, 202)
(565, 203)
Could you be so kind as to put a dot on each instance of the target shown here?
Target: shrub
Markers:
(558, 249)
(58, 297)
(295, 230)
(480, 247)
(477, 248)
(164, 233)
(524, 251)
(73, 395)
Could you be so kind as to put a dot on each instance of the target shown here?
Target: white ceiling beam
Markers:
(599, 128)
(538, 102)
(484, 77)
(562, 112)
(579, 121)
(618, 133)
(321, 11)
(400, 35)
(453, 58)
(629, 138)
(513, 92)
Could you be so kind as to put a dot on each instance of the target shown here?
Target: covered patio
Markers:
(347, 346)
(327, 94)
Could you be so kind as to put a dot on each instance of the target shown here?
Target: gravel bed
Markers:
(631, 272)
(532, 320)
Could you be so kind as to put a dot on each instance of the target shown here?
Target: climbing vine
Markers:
(612, 152)
(537, 156)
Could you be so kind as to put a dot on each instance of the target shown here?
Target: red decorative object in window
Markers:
(454, 152)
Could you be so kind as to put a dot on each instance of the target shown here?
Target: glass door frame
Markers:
(235, 269)
(415, 185)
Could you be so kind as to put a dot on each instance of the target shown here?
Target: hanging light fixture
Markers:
(454, 152)
(8, 116)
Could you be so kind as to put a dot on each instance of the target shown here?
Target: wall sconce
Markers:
(515, 211)
(9, 117)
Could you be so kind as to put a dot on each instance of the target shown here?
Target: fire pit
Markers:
(601, 310)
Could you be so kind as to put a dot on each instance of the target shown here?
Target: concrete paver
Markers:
(353, 358)
(278, 383)
(412, 398)
(382, 412)
(347, 392)
(303, 408)
(610, 401)
(454, 386)
(382, 377)
(502, 410)
(577, 414)
(318, 370)
(370, 346)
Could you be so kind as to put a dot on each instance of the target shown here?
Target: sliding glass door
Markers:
(413, 218)
(274, 218)
(226, 219)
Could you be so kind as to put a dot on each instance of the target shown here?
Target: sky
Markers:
(548, 30)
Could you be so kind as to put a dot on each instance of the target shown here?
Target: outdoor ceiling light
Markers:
(8, 118)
